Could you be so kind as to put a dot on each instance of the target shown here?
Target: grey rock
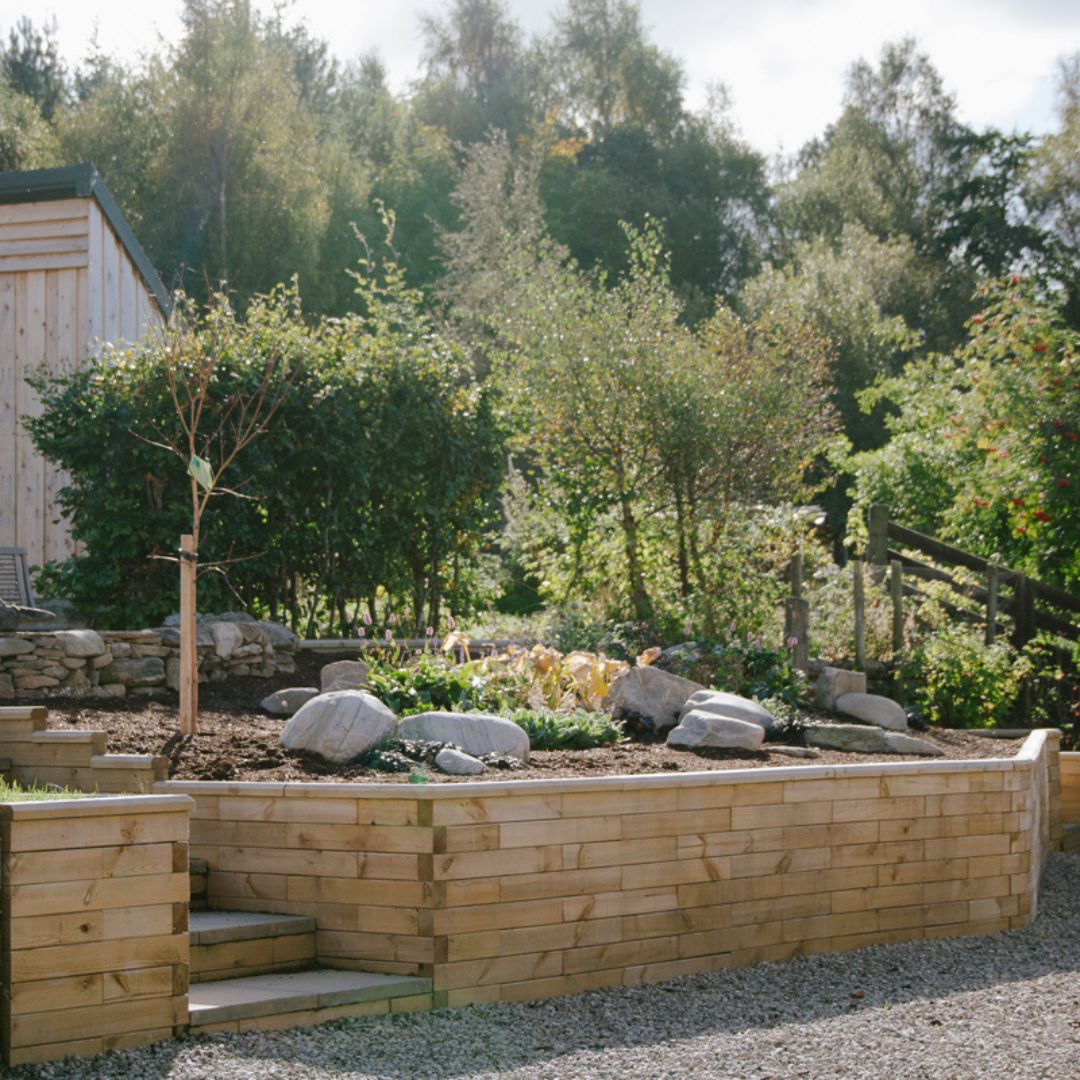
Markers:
(227, 638)
(343, 675)
(339, 726)
(287, 702)
(872, 709)
(77, 684)
(80, 643)
(655, 695)
(280, 637)
(723, 704)
(794, 751)
(231, 617)
(899, 743)
(679, 657)
(475, 733)
(13, 646)
(457, 763)
(172, 672)
(860, 739)
(707, 729)
(135, 671)
(834, 682)
(7, 687)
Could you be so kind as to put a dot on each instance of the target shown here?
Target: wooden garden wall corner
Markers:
(94, 925)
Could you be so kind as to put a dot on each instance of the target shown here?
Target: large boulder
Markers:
(287, 702)
(723, 704)
(696, 729)
(458, 763)
(339, 726)
(343, 675)
(872, 709)
(834, 682)
(655, 695)
(475, 733)
(80, 643)
(860, 739)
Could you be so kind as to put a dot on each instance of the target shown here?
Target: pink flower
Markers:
(450, 622)
(367, 618)
(389, 635)
(361, 632)
(792, 641)
(430, 631)
(391, 619)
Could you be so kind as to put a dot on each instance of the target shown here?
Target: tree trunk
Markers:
(639, 598)
(680, 529)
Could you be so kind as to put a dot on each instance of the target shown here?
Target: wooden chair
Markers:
(15, 577)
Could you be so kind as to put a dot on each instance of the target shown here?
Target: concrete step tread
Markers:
(216, 927)
(299, 991)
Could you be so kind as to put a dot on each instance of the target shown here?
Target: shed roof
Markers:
(84, 182)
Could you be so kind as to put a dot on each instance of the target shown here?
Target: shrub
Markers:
(430, 683)
(549, 729)
(747, 668)
(958, 681)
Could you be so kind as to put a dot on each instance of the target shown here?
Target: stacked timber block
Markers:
(529, 889)
(94, 925)
(1070, 801)
(69, 758)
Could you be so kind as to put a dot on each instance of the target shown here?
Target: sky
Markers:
(783, 61)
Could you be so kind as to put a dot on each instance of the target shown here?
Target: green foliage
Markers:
(429, 683)
(376, 479)
(549, 729)
(983, 447)
(747, 667)
(957, 681)
(12, 791)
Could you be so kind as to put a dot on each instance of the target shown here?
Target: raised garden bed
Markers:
(237, 742)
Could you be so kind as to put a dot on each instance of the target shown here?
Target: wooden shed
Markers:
(72, 278)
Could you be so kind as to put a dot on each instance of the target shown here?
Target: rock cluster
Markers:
(112, 663)
(341, 725)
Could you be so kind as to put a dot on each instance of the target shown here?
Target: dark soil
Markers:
(237, 742)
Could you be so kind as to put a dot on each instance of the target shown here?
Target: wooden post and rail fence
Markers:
(1030, 605)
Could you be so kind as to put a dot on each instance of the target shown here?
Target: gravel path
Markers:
(1005, 1007)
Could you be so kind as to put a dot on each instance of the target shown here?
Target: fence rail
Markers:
(1025, 602)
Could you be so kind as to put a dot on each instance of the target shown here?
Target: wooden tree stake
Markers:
(189, 680)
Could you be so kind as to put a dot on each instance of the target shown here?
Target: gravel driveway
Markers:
(1005, 1006)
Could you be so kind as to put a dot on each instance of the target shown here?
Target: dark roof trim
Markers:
(84, 182)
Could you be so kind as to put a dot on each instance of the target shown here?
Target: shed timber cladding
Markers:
(72, 278)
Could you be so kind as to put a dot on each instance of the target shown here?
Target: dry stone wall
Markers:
(92, 664)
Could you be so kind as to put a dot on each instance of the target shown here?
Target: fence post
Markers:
(797, 626)
(993, 583)
(860, 612)
(1023, 611)
(877, 550)
(797, 575)
(896, 590)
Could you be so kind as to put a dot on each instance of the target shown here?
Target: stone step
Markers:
(265, 1002)
(1071, 838)
(226, 944)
